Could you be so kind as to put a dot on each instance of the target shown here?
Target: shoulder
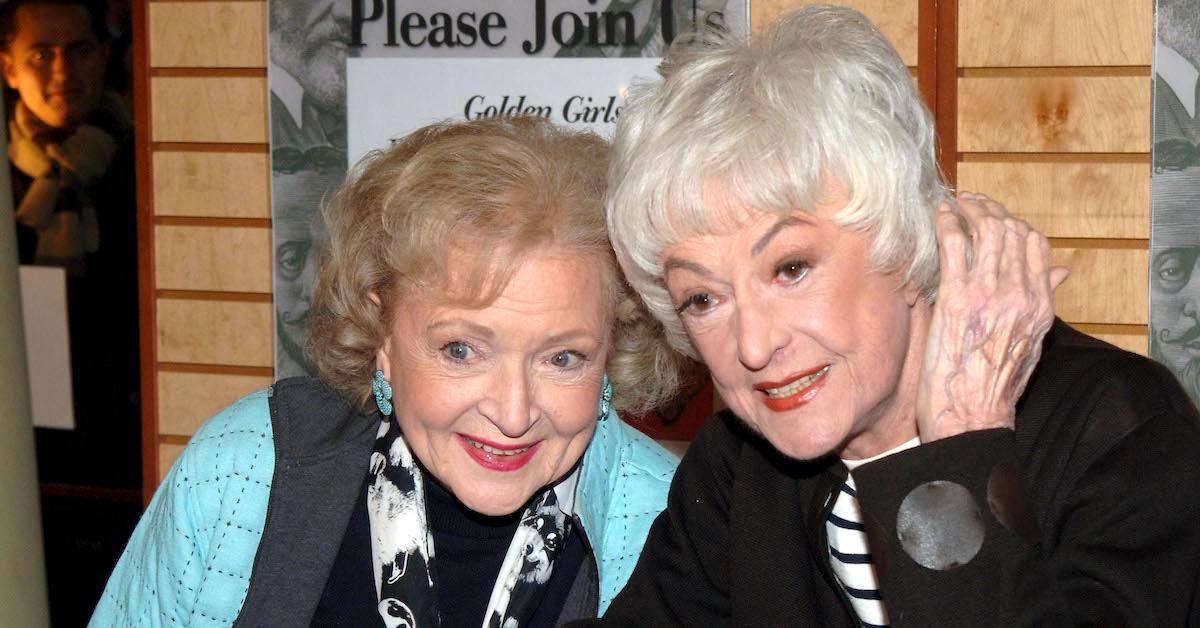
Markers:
(623, 485)
(640, 452)
(624, 469)
(231, 456)
(721, 443)
(235, 440)
(192, 553)
(1098, 395)
(1078, 368)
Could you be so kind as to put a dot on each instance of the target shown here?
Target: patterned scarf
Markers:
(402, 543)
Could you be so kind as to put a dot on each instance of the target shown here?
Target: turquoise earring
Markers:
(383, 393)
(605, 399)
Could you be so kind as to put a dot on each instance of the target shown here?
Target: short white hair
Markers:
(820, 96)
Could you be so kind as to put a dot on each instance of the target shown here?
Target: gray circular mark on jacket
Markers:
(940, 526)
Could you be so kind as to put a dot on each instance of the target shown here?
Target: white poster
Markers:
(582, 93)
(347, 76)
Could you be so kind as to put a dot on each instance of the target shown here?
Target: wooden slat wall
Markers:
(897, 19)
(1053, 117)
(211, 208)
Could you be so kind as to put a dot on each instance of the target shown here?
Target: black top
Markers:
(1088, 515)
(469, 551)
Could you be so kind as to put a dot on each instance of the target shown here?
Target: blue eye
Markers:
(456, 350)
(566, 359)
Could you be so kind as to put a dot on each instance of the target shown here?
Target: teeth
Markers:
(796, 386)
(497, 452)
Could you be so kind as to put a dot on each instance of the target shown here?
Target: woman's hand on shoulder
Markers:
(994, 305)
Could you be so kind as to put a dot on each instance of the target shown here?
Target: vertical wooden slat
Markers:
(946, 108)
(147, 320)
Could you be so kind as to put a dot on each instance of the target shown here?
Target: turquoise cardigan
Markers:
(190, 559)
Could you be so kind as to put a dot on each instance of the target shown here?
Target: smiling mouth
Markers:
(495, 451)
(797, 385)
(795, 392)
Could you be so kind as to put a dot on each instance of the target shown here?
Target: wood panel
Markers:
(1054, 32)
(208, 109)
(896, 19)
(1103, 114)
(214, 332)
(1069, 200)
(167, 453)
(187, 400)
(211, 184)
(1137, 343)
(226, 259)
(1105, 286)
(208, 34)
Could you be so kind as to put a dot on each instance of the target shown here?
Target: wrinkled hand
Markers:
(992, 310)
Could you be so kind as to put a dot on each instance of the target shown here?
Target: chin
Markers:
(801, 445)
(491, 504)
(805, 450)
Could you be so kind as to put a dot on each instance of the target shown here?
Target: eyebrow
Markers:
(783, 223)
(474, 328)
(674, 263)
(574, 334)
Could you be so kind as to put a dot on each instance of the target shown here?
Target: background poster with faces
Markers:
(1175, 193)
(348, 76)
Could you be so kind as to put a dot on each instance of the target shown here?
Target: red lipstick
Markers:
(798, 397)
(495, 456)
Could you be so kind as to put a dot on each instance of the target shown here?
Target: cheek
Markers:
(424, 397)
(572, 411)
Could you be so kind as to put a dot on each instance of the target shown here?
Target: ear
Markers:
(9, 66)
(383, 359)
(912, 295)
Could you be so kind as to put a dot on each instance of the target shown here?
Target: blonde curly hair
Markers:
(512, 185)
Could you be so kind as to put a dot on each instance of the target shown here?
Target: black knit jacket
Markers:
(1089, 513)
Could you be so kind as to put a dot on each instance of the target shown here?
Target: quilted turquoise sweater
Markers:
(192, 558)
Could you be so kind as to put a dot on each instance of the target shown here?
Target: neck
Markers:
(894, 421)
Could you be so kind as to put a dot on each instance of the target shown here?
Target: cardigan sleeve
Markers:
(189, 559)
(1097, 525)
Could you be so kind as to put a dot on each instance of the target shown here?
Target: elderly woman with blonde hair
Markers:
(912, 438)
(460, 461)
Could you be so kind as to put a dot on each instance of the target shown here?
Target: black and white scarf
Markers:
(402, 544)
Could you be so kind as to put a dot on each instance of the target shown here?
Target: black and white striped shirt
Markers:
(849, 552)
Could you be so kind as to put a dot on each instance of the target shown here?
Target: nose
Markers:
(760, 332)
(1191, 293)
(509, 406)
(308, 277)
(60, 66)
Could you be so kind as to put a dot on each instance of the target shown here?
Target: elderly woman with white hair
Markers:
(912, 438)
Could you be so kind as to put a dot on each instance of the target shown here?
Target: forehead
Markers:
(727, 214)
(52, 24)
(570, 286)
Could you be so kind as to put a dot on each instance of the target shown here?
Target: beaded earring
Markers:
(383, 393)
(605, 399)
